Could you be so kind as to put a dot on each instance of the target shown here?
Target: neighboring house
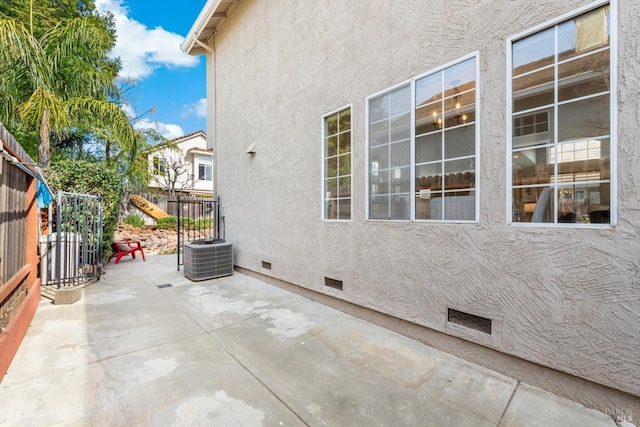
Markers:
(466, 171)
(186, 170)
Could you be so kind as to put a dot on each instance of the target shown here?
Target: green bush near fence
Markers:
(203, 224)
(134, 220)
(95, 178)
(168, 223)
(171, 223)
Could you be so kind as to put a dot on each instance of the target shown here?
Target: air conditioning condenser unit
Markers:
(207, 259)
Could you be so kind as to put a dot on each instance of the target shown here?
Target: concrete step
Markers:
(64, 295)
(48, 292)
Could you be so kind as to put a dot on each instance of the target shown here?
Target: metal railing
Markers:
(72, 251)
(197, 219)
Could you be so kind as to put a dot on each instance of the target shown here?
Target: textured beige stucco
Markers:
(564, 298)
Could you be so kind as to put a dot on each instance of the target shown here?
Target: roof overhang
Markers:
(208, 152)
(211, 15)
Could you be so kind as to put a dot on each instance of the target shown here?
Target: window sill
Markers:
(593, 226)
(424, 221)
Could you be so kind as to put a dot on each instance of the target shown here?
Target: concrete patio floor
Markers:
(236, 351)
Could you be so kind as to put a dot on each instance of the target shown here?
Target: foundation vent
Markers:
(469, 321)
(266, 265)
(333, 283)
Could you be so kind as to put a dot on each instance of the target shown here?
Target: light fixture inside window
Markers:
(455, 116)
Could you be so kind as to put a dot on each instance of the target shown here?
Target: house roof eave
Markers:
(179, 140)
(205, 25)
(197, 150)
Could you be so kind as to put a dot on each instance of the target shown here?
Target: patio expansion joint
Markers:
(265, 385)
(506, 407)
(115, 356)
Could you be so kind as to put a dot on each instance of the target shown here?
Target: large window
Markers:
(422, 147)
(390, 155)
(561, 122)
(337, 165)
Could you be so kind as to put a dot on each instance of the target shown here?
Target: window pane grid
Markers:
(561, 168)
(389, 155)
(545, 107)
(584, 55)
(524, 74)
(533, 146)
(445, 154)
(433, 132)
(409, 152)
(584, 98)
(337, 166)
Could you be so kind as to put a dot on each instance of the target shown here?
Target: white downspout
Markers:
(212, 113)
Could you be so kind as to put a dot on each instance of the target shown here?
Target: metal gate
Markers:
(197, 219)
(71, 252)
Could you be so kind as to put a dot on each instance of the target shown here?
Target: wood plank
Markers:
(15, 331)
(14, 282)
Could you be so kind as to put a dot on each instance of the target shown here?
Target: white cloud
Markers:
(128, 110)
(168, 130)
(142, 49)
(198, 109)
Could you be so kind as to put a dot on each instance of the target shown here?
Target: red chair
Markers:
(125, 247)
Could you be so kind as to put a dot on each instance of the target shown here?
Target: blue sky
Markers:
(149, 36)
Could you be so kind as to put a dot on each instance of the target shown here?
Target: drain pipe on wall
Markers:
(212, 120)
(212, 116)
(212, 125)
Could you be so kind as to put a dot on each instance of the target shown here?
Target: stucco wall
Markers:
(564, 298)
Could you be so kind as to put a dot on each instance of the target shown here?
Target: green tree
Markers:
(62, 82)
(80, 176)
(41, 15)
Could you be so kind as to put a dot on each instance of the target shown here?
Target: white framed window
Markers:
(422, 147)
(159, 166)
(337, 164)
(389, 125)
(204, 171)
(562, 110)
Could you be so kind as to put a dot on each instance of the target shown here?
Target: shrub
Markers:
(96, 178)
(167, 223)
(171, 223)
(134, 220)
(203, 224)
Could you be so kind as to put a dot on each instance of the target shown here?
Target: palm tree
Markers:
(62, 81)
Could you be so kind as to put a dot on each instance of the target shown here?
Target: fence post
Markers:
(217, 234)
(179, 208)
(58, 237)
(100, 226)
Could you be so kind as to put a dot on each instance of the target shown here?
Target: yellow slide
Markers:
(147, 207)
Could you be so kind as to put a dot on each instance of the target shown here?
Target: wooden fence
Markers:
(19, 284)
(14, 184)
